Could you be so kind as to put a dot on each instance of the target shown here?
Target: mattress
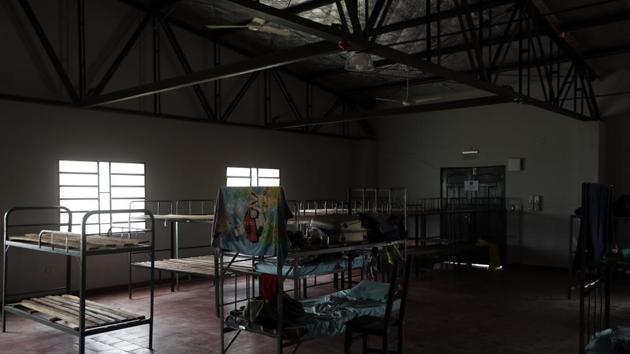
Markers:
(311, 268)
(601, 343)
(609, 341)
(327, 315)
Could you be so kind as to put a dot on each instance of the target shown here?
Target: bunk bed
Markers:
(185, 211)
(465, 225)
(335, 223)
(71, 312)
(594, 259)
(233, 240)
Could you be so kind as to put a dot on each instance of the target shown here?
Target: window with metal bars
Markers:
(97, 185)
(252, 177)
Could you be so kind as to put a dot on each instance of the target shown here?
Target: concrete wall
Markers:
(183, 160)
(560, 153)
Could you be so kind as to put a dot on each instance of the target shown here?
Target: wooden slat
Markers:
(74, 311)
(72, 320)
(116, 311)
(74, 241)
(65, 310)
(88, 309)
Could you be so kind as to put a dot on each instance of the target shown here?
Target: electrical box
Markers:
(535, 202)
(514, 165)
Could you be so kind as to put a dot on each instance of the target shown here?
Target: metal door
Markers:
(475, 199)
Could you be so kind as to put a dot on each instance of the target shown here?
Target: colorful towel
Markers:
(252, 221)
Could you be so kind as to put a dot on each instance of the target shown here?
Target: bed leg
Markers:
(82, 344)
(364, 343)
(129, 286)
(385, 344)
(4, 284)
(347, 344)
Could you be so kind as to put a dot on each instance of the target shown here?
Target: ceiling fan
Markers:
(409, 102)
(257, 24)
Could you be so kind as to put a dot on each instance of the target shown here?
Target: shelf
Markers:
(62, 311)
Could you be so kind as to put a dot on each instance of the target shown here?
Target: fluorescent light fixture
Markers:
(470, 152)
(474, 265)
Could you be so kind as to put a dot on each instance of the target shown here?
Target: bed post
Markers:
(68, 258)
(152, 279)
(5, 250)
(82, 284)
(219, 285)
(280, 330)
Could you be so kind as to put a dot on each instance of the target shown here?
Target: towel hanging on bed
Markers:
(252, 221)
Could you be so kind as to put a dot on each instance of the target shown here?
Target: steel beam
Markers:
(501, 40)
(181, 57)
(210, 36)
(358, 43)
(382, 113)
(81, 47)
(131, 42)
(308, 6)
(133, 113)
(334, 35)
(287, 95)
(52, 56)
(239, 96)
(263, 62)
(157, 67)
(596, 54)
(442, 15)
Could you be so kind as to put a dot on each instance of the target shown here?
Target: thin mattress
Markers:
(327, 315)
(311, 268)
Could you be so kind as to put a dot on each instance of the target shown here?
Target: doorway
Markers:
(475, 199)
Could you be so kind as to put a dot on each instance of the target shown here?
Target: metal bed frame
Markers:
(225, 262)
(183, 207)
(360, 200)
(81, 255)
(594, 304)
(424, 208)
(458, 226)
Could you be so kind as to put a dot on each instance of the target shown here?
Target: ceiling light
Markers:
(470, 153)
(361, 62)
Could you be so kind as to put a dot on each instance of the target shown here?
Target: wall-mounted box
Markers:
(515, 164)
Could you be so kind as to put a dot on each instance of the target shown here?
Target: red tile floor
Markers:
(511, 311)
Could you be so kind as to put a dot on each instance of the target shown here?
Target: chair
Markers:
(380, 326)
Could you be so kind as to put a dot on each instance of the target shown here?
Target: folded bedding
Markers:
(334, 221)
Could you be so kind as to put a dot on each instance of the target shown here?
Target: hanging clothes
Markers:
(252, 221)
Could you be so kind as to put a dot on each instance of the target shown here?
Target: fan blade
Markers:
(426, 99)
(275, 30)
(226, 26)
(386, 100)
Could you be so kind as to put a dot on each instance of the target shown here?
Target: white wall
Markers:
(183, 160)
(560, 153)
